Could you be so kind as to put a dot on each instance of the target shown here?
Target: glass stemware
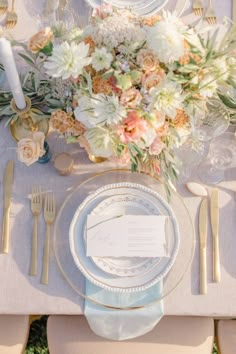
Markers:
(205, 126)
(221, 156)
(213, 122)
(188, 156)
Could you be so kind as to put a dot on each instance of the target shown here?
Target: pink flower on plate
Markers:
(156, 147)
(133, 128)
(131, 98)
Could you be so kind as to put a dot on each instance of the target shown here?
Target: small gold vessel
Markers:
(27, 121)
(96, 159)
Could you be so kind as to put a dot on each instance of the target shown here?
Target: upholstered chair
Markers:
(226, 336)
(172, 335)
(14, 331)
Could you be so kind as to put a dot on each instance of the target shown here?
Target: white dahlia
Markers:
(68, 60)
(166, 41)
(166, 98)
(101, 59)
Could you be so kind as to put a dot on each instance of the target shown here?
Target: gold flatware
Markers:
(49, 216)
(203, 221)
(36, 206)
(210, 14)
(3, 6)
(198, 7)
(11, 19)
(8, 182)
(214, 200)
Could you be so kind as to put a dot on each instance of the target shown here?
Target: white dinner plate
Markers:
(145, 7)
(125, 204)
(88, 267)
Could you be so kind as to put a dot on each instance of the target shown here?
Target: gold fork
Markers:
(210, 14)
(198, 7)
(11, 19)
(36, 206)
(3, 6)
(49, 216)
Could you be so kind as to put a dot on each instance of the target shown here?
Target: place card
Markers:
(127, 236)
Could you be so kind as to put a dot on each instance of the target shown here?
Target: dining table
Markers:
(21, 293)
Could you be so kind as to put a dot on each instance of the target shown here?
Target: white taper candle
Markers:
(8, 61)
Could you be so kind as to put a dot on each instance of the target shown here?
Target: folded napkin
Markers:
(123, 324)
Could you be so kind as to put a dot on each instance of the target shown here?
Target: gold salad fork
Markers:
(49, 216)
(3, 6)
(210, 14)
(36, 206)
(198, 7)
(11, 19)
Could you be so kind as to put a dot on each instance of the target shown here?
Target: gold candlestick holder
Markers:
(26, 121)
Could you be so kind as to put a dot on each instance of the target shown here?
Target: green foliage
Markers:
(37, 342)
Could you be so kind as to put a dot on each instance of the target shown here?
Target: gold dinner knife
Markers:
(203, 221)
(8, 182)
(215, 233)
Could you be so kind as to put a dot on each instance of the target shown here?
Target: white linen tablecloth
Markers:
(21, 294)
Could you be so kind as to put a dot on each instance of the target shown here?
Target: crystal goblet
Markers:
(221, 156)
(213, 122)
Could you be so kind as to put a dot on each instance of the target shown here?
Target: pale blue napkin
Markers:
(123, 324)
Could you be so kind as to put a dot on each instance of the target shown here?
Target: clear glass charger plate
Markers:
(107, 199)
(61, 245)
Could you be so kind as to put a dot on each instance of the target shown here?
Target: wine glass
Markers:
(213, 122)
(188, 155)
(221, 156)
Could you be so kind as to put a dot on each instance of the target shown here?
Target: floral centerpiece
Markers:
(126, 87)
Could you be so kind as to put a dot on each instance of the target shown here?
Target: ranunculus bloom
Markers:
(152, 79)
(131, 98)
(147, 60)
(30, 149)
(40, 40)
(156, 147)
(133, 128)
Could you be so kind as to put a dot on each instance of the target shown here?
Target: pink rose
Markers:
(147, 60)
(131, 98)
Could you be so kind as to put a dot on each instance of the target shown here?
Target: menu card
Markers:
(127, 236)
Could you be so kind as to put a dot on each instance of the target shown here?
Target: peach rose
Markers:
(30, 149)
(131, 98)
(40, 40)
(147, 60)
(152, 79)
